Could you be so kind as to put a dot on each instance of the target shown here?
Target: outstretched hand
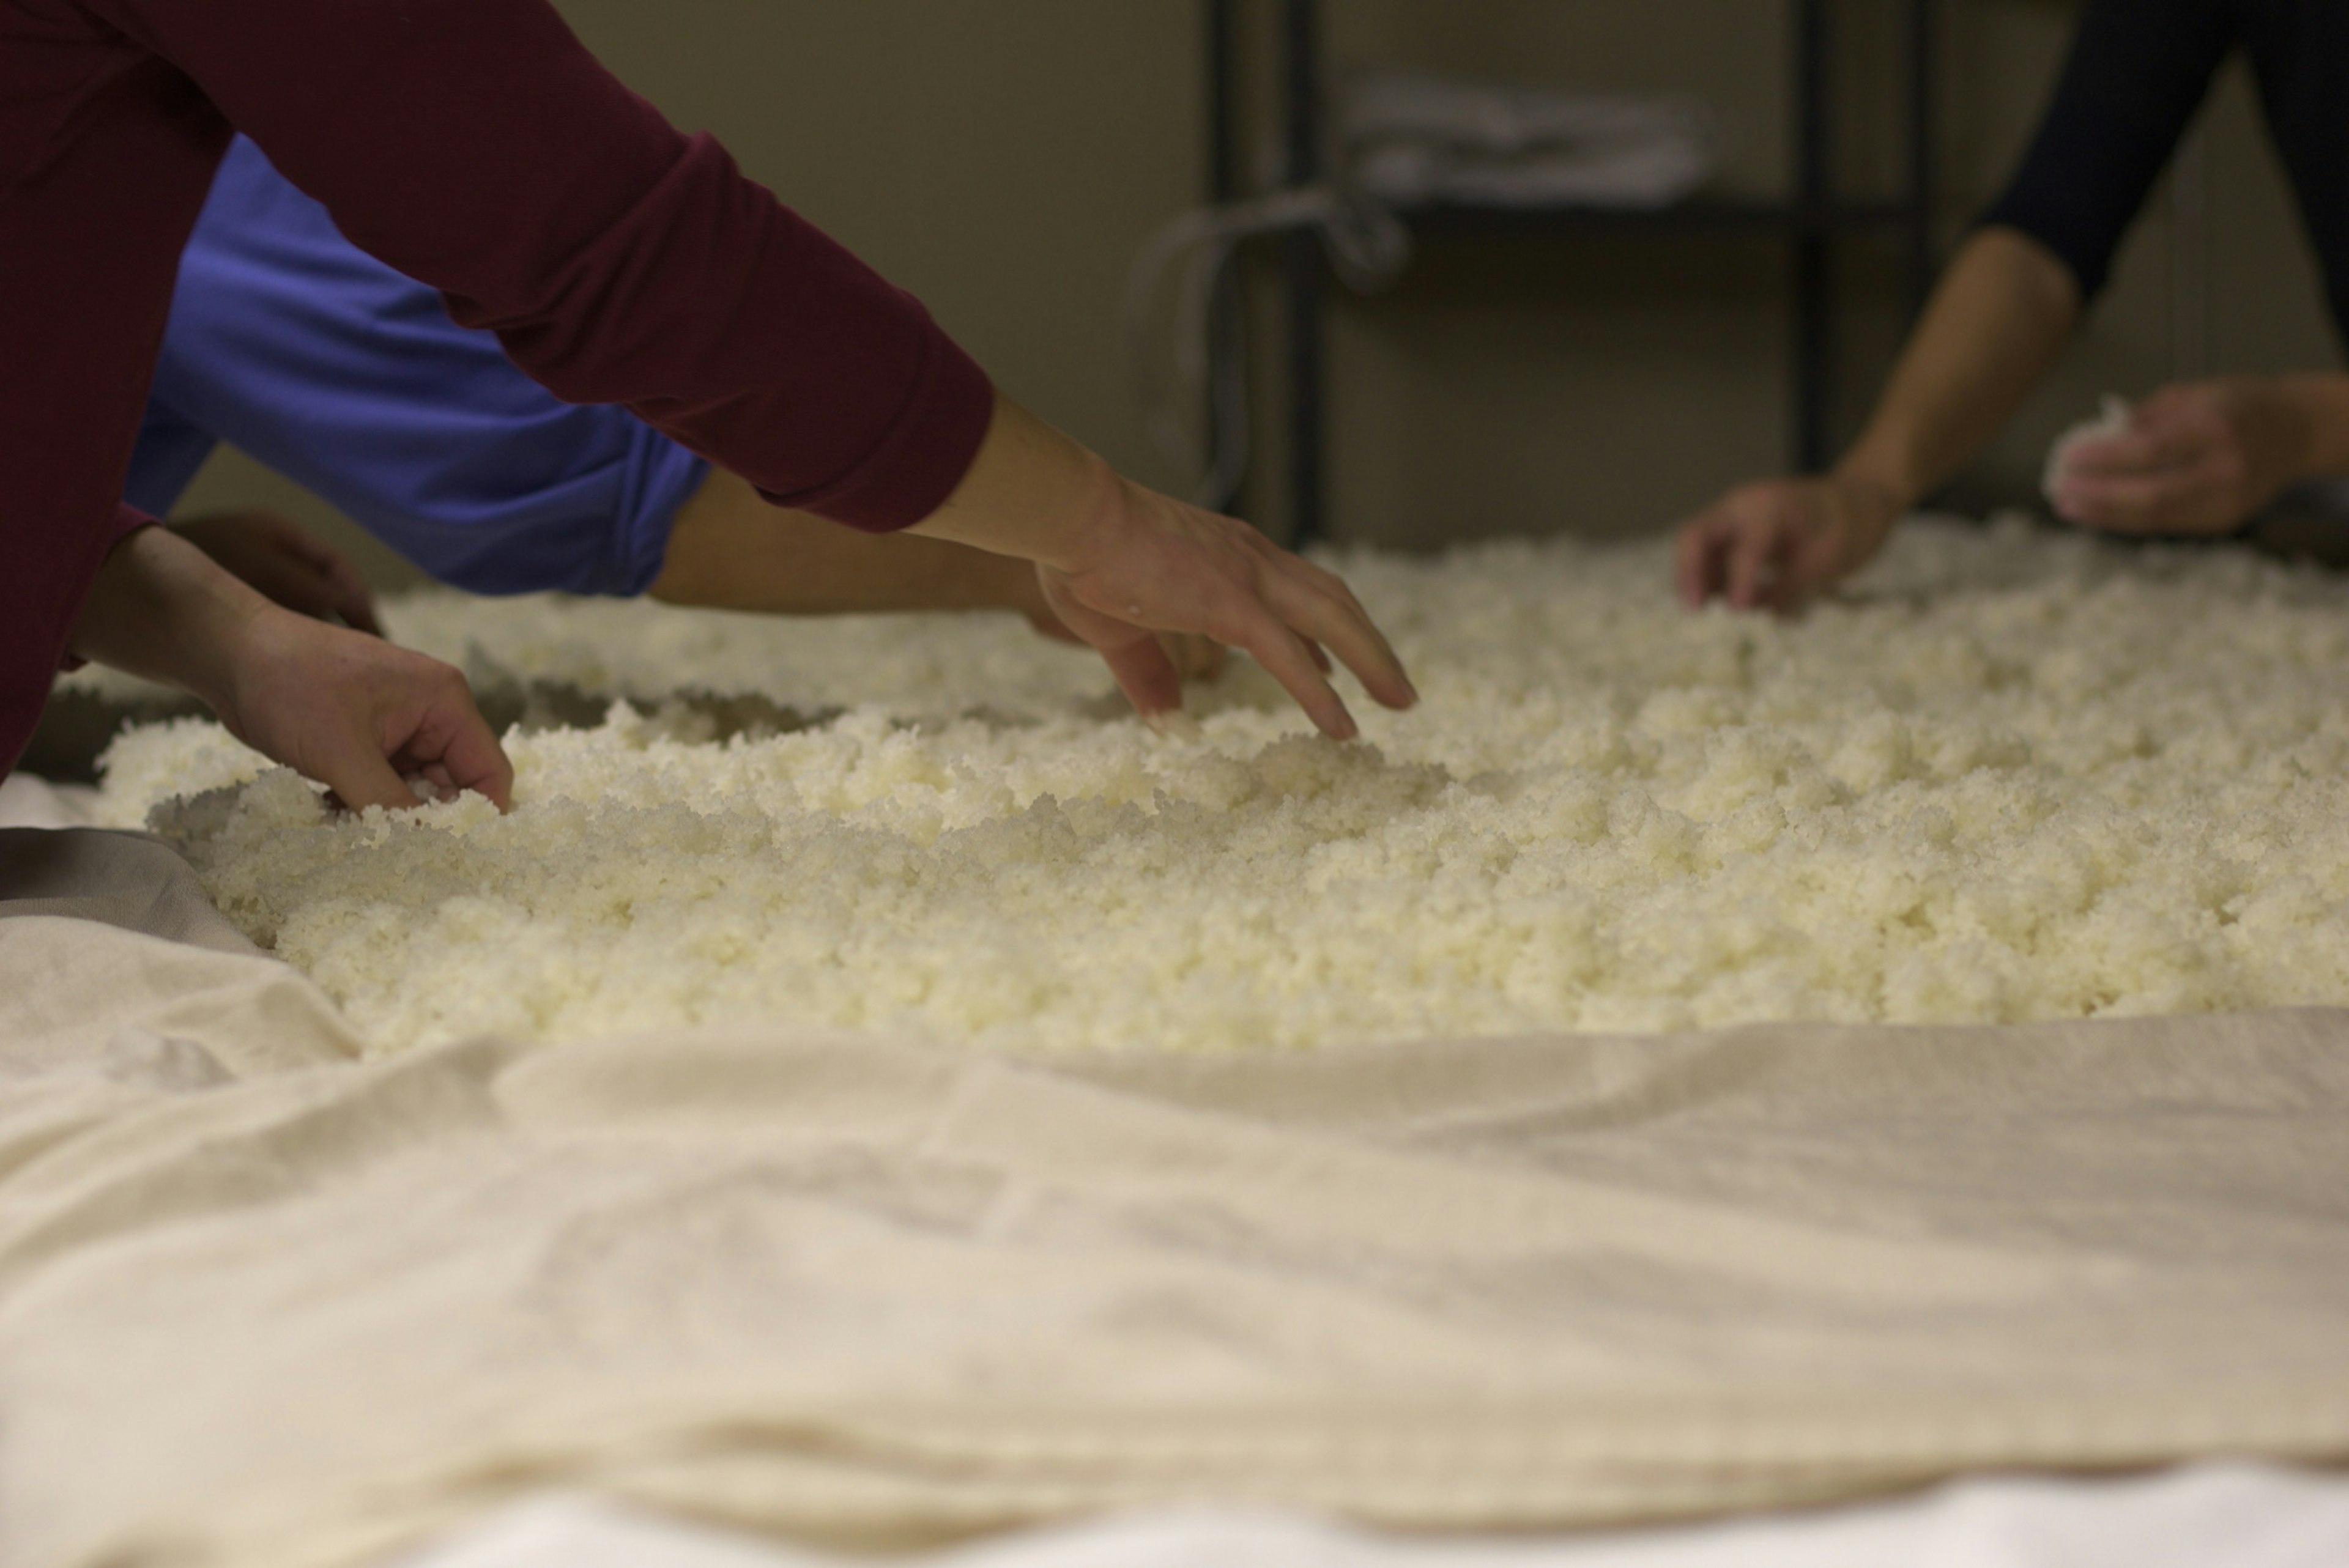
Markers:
(1120, 565)
(1158, 565)
(1774, 543)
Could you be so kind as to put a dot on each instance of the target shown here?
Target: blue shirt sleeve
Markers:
(291, 344)
(171, 450)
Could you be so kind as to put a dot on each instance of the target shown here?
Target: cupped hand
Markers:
(358, 715)
(1774, 544)
(277, 557)
(1153, 565)
(2198, 457)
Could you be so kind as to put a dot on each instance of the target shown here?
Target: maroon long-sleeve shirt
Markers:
(474, 145)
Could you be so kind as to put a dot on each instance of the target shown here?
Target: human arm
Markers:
(2137, 72)
(349, 710)
(2204, 456)
(475, 145)
(730, 549)
(1999, 316)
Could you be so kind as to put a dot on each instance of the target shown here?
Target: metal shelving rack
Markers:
(1810, 218)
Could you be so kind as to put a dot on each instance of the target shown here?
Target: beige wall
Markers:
(1005, 160)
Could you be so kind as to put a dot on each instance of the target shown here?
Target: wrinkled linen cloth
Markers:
(263, 1306)
(27, 802)
(2244, 1516)
(128, 880)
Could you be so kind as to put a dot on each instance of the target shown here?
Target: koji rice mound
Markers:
(2006, 776)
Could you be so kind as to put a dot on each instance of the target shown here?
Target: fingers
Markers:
(1739, 551)
(1174, 568)
(452, 743)
(1145, 674)
(1282, 653)
(2192, 500)
(1698, 558)
(438, 735)
(1321, 613)
(1197, 658)
(360, 776)
(2136, 450)
(1757, 556)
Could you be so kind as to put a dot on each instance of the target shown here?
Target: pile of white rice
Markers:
(2009, 776)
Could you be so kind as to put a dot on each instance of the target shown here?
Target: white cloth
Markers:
(26, 801)
(262, 1306)
(2241, 1516)
(1413, 139)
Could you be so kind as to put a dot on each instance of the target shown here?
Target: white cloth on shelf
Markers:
(1415, 139)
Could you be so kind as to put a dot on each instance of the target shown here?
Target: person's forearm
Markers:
(1999, 318)
(729, 549)
(161, 608)
(1032, 492)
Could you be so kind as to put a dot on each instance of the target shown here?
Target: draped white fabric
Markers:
(2242, 1516)
(262, 1304)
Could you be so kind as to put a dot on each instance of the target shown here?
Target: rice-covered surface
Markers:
(2007, 775)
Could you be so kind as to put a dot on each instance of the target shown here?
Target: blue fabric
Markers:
(289, 343)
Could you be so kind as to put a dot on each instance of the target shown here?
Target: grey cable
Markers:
(1367, 247)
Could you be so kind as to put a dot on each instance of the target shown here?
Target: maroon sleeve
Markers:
(476, 145)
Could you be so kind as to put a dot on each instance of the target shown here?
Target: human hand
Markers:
(1195, 658)
(1119, 564)
(1773, 544)
(346, 710)
(276, 556)
(2196, 457)
(1155, 565)
(356, 713)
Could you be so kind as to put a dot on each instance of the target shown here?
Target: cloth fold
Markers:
(866, 1294)
(128, 880)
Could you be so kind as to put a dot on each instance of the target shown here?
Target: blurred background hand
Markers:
(2197, 457)
(1774, 543)
(282, 561)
